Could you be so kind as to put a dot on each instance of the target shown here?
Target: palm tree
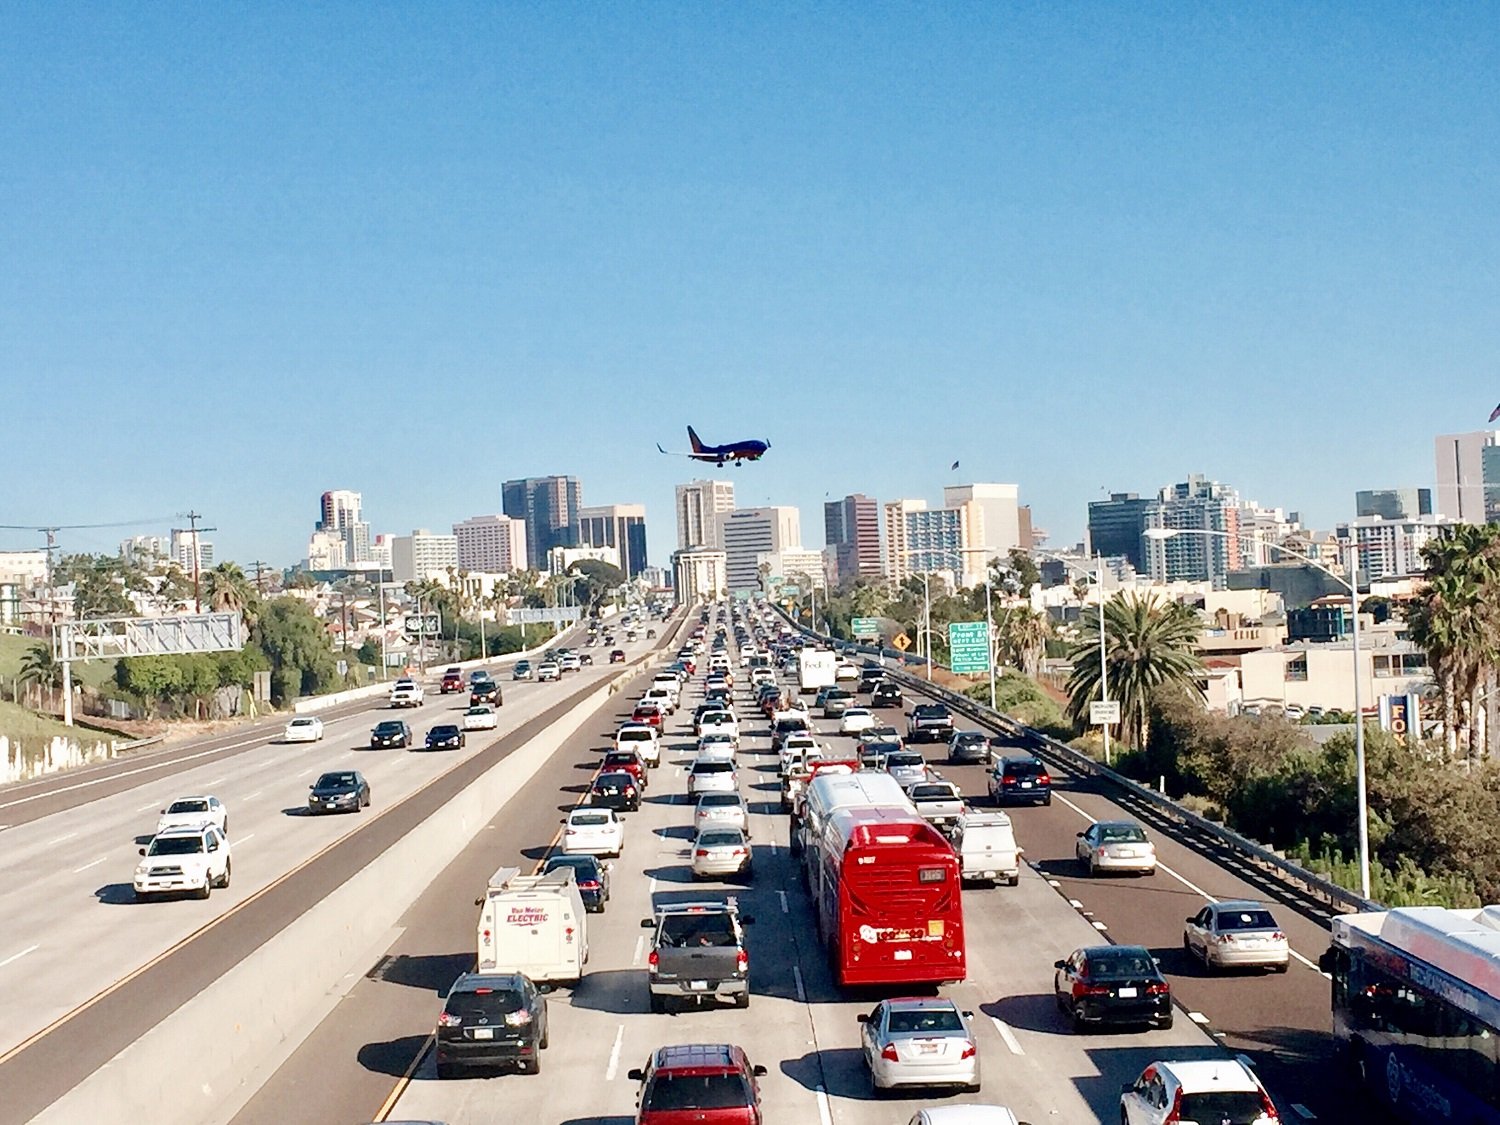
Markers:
(1149, 649)
(1024, 637)
(40, 665)
(227, 590)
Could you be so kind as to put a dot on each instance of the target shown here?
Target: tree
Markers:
(296, 647)
(41, 666)
(1149, 650)
(593, 581)
(100, 585)
(225, 589)
(1024, 572)
(1024, 637)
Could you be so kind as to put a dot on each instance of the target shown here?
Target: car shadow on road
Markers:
(1030, 1011)
(675, 832)
(116, 894)
(620, 991)
(393, 1056)
(296, 810)
(679, 873)
(430, 972)
(1118, 1065)
(839, 1071)
(1060, 868)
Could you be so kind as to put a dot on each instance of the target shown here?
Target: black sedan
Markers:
(616, 789)
(339, 791)
(390, 733)
(484, 691)
(445, 736)
(884, 695)
(592, 876)
(617, 656)
(1103, 984)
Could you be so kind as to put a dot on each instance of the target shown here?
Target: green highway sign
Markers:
(865, 627)
(968, 647)
(792, 591)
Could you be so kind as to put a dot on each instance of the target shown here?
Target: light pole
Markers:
(1352, 585)
(1098, 577)
(989, 618)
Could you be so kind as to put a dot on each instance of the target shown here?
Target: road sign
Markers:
(1104, 714)
(792, 590)
(419, 624)
(901, 641)
(865, 627)
(968, 647)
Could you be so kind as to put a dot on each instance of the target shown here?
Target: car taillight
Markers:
(1174, 1115)
(653, 961)
(1007, 781)
(742, 961)
(589, 885)
(888, 1053)
(1044, 779)
(1160, 988)
(1224, 939)
(517, 1019)
(702, 853)
(448, 1019)
(1268, 1107)
(1083, 988)
(969, 1051)
(1278, 936)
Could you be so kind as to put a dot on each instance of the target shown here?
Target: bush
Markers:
(1023, 700)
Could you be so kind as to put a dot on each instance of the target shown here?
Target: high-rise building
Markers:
(491, 544)
(621, 526)
(339, 514)
(549, 507)
(422, 554)
(698, 503)
(1390, 548)
(1393, 503)
(326, 551)
(745, 534)
(1115, 527)
(796, 565)
(1196, 504)
(852, 527)
(1002, 513)
(699, 574)
(146, 550)
(950, 540)
(1468, 476)
(187, 544)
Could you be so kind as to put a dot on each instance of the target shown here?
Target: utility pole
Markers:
(260, 579)
(194, 529)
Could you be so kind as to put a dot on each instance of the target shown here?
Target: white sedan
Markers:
(857, 719)
(482, 717)
(593, 831)
(304, 728)
(194, 812)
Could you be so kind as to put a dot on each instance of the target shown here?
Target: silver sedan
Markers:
(919, 1041)
(1236, 934)
(721, 810)
(721, 852)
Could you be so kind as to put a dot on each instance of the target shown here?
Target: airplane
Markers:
(735, 451)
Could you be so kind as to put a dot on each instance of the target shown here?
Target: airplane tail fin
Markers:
(697, 442)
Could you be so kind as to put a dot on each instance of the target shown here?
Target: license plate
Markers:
(698, 985)
(927, 1048)
(1025, 785)
(901, 955)
(484, 1033)
(1127, 993)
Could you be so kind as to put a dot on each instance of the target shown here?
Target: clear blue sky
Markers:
(250, 252)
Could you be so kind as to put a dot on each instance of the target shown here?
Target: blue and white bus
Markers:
(1416, 1003)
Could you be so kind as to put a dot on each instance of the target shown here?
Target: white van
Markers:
(533, 924)
(986, 847)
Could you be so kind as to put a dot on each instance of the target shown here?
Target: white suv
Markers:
(193, 812)
(1200, 1090)
(186, 858)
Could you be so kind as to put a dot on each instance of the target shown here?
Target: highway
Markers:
(82, 962)
(799, 1025)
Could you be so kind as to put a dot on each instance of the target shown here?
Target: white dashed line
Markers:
(825, 1115)
(1008, 1035)
(86, 866)
(1189, 885)
(18, 956)
(252, 796)
(145, 808)
(1198, 1018)
(784, 908)
(614, 1055)
(640, 945)
(60, 839)
(241, 839)
(1075, 904)
(1074, 807)
(1099, 925)
(1303, 1112)
(797, 978)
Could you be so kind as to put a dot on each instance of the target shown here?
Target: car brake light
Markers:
(1278, 936)
(1008, 781)
(1174, 1115)
(968, 1051)
(702, 853)
(1083, 988)
(448, 1019)
(517, 1019)
(654, 960)
(1268, 1107)
(888, 1053)
(1044, 779)
(590, 884)
(742, 961)
(1160, 988)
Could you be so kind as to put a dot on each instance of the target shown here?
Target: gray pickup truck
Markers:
(939, 803)
(929, 722)
(698, 953)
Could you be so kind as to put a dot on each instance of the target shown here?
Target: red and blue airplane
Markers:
(735, 451)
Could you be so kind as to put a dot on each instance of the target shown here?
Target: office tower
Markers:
(1002, 513)
(1390, 548)
(1116, 524)
(549, 507)
(187, 544)
(852, 527)
(745, 534)
(1468, 476)
(621, 526)
(339, 514)
(1393, 503)
(1196, 504)
(491, 544)
(421, 554)
(698, 503)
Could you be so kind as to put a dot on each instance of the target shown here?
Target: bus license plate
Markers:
(698, 985)
(902, 955)
(484, 1033)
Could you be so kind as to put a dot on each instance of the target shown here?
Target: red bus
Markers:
(885, 891)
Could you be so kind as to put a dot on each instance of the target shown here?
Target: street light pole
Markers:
(1103, 657)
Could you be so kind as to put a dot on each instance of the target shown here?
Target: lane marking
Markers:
(86, 866)
(1075, 904)
(801, 992)
(1099, 925)
(252, 796)
(640, 946)
(1008, 1035)
(1199, 891)
(784, 908)
(60, 839)
(405, 1080)
(614, 1055)
(241, 839)
(825, 1115)
(147, 808)
(18, 956)
(1074, 807)
(1303, 1112)
(1198, 1018)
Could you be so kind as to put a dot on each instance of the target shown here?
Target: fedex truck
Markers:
(816, 669)
(533, 924)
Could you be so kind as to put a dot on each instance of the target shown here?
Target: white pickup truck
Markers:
(406, 693)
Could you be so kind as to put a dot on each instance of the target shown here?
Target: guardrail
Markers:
(1075, 762)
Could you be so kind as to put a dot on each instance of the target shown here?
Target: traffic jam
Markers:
(748, 723)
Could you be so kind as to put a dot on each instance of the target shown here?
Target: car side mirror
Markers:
(863, 1017)
(163, 812)
(1191, 920)
(1156, 961)
(636, 1074)
(142, 851)
(968, 1015)
(314, 786)
(1078, 834)
(648, 923)
(1059, 964)
(758, 1070)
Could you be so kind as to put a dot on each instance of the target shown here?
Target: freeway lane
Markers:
(799, 1026)
(49, 1065)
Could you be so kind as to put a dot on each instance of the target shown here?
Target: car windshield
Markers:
(617, 758)
(388, 728)
(721, 838)
(176, 845)
(684, 930)
(918, 792)
(1223, 1107)
(612, 782)
(931, 712)
(478, 711)
(585, 865)
(590, 820)
(1246, 920)
(303, 722)
(1027, 769)
(336, 781)
(1120, 964)
(485, 1004)
(969, 737)
(897, 761)
(712, 767)
(1121, 834)
(443, 732)
(697, 1091)
(713, 800)
(924, 1021)
(187, 807)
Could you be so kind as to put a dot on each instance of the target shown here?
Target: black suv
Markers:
(1022, 778)
(484, 691)
(591, 874)
(391, 732)
(616, 789)
(885, 694)
(492, 1019)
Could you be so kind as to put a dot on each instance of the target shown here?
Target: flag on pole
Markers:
(955, 464)
(1495, 413)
